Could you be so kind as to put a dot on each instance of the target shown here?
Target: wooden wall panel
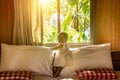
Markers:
(108, 22)
(6, 20)
(116, 24)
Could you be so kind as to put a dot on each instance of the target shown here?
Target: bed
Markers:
(116, 64)
(73, 77)
(23, 58)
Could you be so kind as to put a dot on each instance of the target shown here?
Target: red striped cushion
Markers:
(96, 74)
(15, 75)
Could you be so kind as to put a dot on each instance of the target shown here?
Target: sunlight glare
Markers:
(44, 2)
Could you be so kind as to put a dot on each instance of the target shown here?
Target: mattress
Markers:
(71, 77)
(39, 77)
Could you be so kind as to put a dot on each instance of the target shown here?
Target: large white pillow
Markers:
(89, 57)
(32, 58)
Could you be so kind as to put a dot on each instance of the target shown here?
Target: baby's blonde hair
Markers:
(63, 36)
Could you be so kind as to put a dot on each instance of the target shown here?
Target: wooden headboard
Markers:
(116, 59)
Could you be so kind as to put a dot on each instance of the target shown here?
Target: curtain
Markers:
(27, 29)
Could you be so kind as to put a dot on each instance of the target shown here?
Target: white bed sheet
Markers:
(71, 77)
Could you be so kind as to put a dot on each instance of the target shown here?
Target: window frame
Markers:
(92, 26)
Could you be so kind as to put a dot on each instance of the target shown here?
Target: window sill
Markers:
(72, 45)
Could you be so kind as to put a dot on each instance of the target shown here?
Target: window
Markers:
(71, 16)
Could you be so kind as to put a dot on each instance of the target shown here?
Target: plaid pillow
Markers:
(96, 74)
(15, 75)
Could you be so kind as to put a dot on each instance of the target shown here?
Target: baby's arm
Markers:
(57, 47)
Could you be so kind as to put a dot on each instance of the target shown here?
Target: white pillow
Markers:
(89, 57)
(33, 58)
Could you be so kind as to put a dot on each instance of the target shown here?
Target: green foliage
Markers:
(50, 37)
(76, 21)
(85, 7)
(72, 2)
(67, 21)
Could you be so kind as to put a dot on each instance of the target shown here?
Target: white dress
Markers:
(63, 57)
